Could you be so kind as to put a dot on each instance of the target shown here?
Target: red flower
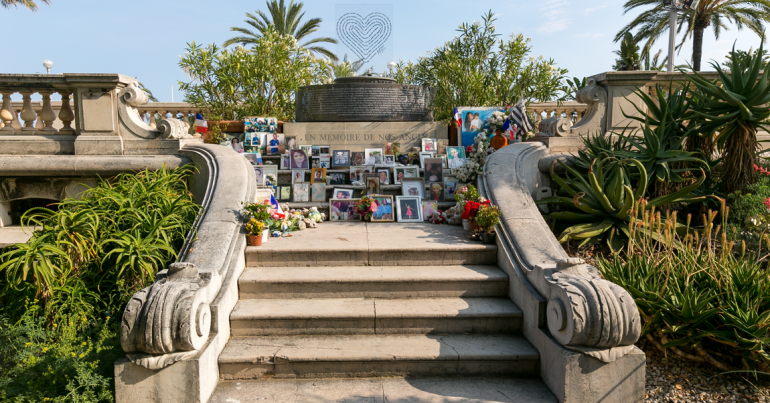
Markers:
(469, 149)
(767, 203)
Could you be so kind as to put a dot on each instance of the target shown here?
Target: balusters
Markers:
(47, 114)
(66, 115)
(6, 115)
(28, 114)
(152, 119)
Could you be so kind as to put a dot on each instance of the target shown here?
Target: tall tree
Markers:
(30, 4)
(287, 20)
(653, 23)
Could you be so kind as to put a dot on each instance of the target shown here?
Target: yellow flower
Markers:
(27, 344)
(73, 354)
(82, 355)
(70, 323)
(108, 318)
(45, 349)
(54, 325)
(84, 319)
(84, 343)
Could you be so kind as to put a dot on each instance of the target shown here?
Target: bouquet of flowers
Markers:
(497, 119)
(365, 207)
(477, 157)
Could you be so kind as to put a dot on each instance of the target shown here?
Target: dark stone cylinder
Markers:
(364, 99)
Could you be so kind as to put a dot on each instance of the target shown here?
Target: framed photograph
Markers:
(270, 170)
(325, 151)
(276, 144)
(389, 149)
(324, 162)
(308, 150)
(342, 193)
(390, 160)
(436, 191)
(373, 156)
(443, 160)
(356, 174)
(301, 192)
(260, 174)
(260, 124)
(382, 208)
(441, 146)
(409, 209)
(400, 173)
(318, 175)
(297, 176)
(449, 189)
(423, 156)
(284, 193)
(341, 158)
(338, 178)
(291, 142)
(474, 121)
(299, 159)
(316, 151)
(254, 159)
(428, 144)
(318, 192)
(358, 159)
(428, 208)
(343, 210)
(456, 157)
(372, 184)
(285, 161)
(413, 187)
(384, 174)
(233, 141)
(434, 171)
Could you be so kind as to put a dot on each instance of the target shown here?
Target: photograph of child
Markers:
(449, 190)
(390, 160)
(382, 208)
(409, 209)
(337, 179)
(433, 170)
(384, 175)
(318, 175)
(318, 192)
(277, 144)
(301, 191)
(343, 210)
(428, 144)
(372, 184)
(235, 144)
(441, 146)
(341, 159)
(436, 191)
(456, 156)
(297, 176)
(299, 160)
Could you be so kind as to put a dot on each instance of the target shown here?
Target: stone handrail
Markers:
(172, 319)
(98, 114)
(569, 309)
(545, 110)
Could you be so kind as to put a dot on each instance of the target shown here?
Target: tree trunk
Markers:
(697, 47)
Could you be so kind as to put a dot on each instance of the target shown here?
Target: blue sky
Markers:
(143, 38)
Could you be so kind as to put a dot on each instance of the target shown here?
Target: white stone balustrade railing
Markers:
(571, 109)
(100, 114)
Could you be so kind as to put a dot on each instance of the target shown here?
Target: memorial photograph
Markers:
(413, 187)
(428, 208)
(399, 173)
(341, 193)
(318, 192)
(297, 176)
(423, 156)
(299, 160)
(373, 156)
(337, 178)
(372, 184)
(474, 121)
(429, 145)
(301, 191)
(343, 210)
(384, 174)
(436, 191)
(276, 144)
(455, 157)
(409, 209)
(359, 158)
(341, 159)
(318, 175)
(382, 208)
(284, 193)
(434, 170)
(285, 161)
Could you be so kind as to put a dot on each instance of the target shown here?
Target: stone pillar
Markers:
(97, 122)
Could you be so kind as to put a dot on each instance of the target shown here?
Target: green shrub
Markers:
(749, 203)
(697, 300)
(68, 363)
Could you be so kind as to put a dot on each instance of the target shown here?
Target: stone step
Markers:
(373, 282)
(372, 244)
(341, 356)
(384, 390)
(262, 317)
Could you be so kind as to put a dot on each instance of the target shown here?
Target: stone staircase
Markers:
(365, 312)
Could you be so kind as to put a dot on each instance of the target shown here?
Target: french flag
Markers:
(200, 125)
(508, 129)
(458, 118)
(274, 204)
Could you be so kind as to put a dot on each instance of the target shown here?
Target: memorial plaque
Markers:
(364, 99)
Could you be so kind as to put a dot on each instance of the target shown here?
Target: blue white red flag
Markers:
(508, 129)
(458, 118)
(276, 207)
(200, 125)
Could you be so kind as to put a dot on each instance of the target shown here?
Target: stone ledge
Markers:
(83, 165)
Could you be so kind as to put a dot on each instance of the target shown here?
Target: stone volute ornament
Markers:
(131, 97)
(586, 313)
(595, 117)
(169, 320)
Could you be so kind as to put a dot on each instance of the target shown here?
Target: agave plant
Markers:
(733, 112)
(598, 205)
(599, 144)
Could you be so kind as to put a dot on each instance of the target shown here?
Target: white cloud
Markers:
(590, 10)
(588, 35)
(554, 13)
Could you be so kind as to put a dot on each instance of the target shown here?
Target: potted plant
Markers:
(364, 208)
(487, 217)
(254, 232)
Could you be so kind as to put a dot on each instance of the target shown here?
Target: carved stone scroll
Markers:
(595, 118)
(555, 126)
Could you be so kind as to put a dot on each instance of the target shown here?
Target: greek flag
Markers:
(519, 116)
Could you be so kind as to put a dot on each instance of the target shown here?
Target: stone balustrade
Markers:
(570, 109)
(99, 114)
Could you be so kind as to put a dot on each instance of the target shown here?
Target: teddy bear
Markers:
(315, 215)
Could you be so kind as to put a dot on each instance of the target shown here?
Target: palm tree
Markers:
(286, 21)
(30, 4)
(629, 54)
(346, 68)
(653, 23)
